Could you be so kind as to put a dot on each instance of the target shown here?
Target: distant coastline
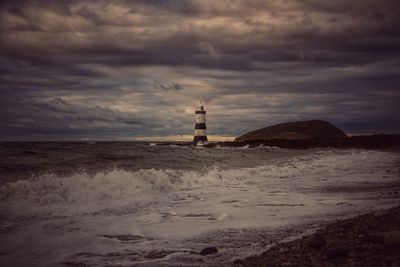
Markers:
(360, 141)
(310, 134)
(377, 141)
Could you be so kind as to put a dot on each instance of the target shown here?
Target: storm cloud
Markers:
(72, 70)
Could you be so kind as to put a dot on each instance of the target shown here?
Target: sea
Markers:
(157, 204)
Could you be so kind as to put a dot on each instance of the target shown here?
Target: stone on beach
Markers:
(316, 241)
(208, 250)
(337, 252)
(374, 237)
(392, 238)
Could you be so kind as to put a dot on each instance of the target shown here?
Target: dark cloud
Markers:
(168, 87)
(119, 69)
(58, 118)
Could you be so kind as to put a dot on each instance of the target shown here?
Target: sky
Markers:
(136, 70)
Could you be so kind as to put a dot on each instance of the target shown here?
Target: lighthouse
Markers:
(200, 134)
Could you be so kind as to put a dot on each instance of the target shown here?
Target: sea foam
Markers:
(82, 193)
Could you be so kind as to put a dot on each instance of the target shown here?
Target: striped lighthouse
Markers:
(200, 134)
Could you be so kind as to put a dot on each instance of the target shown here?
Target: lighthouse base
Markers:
(198, 139)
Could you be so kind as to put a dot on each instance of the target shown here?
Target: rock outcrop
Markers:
(301, 130)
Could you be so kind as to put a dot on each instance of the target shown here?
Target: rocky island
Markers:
(300, 130)
(309, 134)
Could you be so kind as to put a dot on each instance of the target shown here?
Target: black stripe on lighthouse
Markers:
(200, 126)
(201, 138)
(200, 134)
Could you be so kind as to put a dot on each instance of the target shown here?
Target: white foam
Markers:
(82, 192)
(171, 206)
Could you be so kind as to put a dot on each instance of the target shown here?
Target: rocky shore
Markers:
(369, 240)
(365, 142)
(377, 141)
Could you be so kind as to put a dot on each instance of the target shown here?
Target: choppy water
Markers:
(107, 204)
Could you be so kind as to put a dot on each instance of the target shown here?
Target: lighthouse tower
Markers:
(200, 134)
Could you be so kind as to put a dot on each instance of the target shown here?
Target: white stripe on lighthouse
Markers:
(200, 118)
(200, 132)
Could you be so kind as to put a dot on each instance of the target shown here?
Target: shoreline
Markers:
(375, 141)
(370, 239)
(378, 141)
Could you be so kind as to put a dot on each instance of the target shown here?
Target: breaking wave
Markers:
(82, 193)
(106, 190)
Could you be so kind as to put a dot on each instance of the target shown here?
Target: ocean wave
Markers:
(81, 192)
(82, 187)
